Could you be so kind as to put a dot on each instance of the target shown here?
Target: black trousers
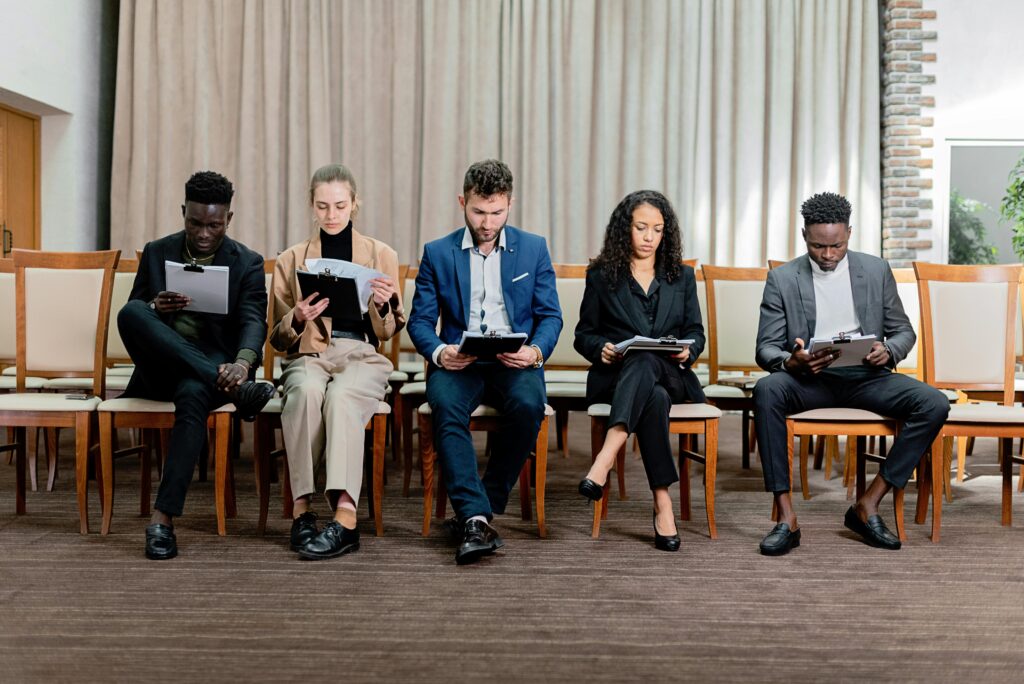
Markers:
(169, 367)
(453, 396)
(920, 408)
(648, 385)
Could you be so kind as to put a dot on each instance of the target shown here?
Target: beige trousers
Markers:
(328, 399)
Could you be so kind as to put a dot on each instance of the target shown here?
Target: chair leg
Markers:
(897, 503)
(106, 429)
(710, 472)
(407, 407)
(525, 500)
(961, 458)
(540, 470)
(598, 427)
(222, 436)
(427, 464)
(562, 426)
(861, 466)
(380, 426)
(805, 487)
(33, 454)
(831, 450)
(262, 445)
(947, 466)
(620, 471)
(20, 457)
(819, 452)
(83, 423)
(145, 470)
(684, 486)
(287, 497)
(52, 446)
(396, 428)
(745, 440)
(1006, 453)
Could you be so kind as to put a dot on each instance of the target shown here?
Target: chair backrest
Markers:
(63, 314)
(395, 344)
(405, 345)
(570, 281)
(1018, 349)
(906, 288)
(775, 263)
(968, 320)
(8, 316)
(124, 279)
(269, 353)
(734, 300)
(702, 304)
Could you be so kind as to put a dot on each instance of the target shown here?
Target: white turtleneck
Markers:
(833, 300)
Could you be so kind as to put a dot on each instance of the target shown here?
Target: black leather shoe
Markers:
(303, 530)
(160, 542)
(780, 540)
(453, 528)
(250, 397)
(874, 532)
(478, 540)
(591, 489)
(333, 541)
(663, 543)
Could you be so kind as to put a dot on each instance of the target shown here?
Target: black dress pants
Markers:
(169, 367)
(648, 385)
(920, 408)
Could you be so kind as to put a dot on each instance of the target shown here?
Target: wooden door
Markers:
(19, 180)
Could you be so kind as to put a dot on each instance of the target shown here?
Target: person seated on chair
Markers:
(200, 361)
(638, 285)
(333, 375)
(829, 291)
(486, 277)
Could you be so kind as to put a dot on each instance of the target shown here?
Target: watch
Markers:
(540, 356)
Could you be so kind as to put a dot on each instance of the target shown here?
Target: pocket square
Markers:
(520, 277)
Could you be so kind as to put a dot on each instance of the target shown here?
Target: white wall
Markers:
(979, 89)
(50, 66)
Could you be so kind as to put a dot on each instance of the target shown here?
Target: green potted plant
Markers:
(1012, 207)
(967, 232)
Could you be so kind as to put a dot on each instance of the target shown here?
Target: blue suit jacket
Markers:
(443, 289)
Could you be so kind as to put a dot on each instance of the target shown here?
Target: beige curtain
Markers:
(736, 109)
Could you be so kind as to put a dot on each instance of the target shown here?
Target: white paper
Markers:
(649, 342)
(208, 290)
(853, 352)
(346, 269)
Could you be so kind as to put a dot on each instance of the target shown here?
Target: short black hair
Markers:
(488, 177)
(826, 207)
(209, 187)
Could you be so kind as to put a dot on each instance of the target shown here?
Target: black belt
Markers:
(349, 335)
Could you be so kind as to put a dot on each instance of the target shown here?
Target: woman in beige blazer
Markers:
(333, 378)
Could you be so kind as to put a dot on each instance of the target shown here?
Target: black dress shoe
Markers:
(663, 543)
(780, 540)
(303, 530)
(333, 541)
(250, 397)
(874, 532)
(160, 542)
(591, 489)
(453, 528)
(478, 540)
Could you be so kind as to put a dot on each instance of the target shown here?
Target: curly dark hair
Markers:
(617, 251)
(826, 207)
(488, 177)
(208, 187)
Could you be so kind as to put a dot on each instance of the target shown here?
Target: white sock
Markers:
(481, 518)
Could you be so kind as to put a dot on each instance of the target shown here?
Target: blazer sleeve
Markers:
(590, 338)
(252, 306)
(899, 333)
(547, 314)
(772, 349)
(425, 309)
(283, 336)
(693, 326)
(385, 327)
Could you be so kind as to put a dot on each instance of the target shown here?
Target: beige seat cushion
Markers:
(413, 388)
(398, 376)
(11, 383)
(482, 411)
(840, 414)
(566, 390)
(725, 392)
(411, 367)
(120, 370)
(47, 402)
(565, 376)
(276, 405)
(115, 383)
(679, 411)
(985, 413)
(122, 404)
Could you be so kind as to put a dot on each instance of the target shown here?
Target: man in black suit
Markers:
(822, 294)
(200, 361)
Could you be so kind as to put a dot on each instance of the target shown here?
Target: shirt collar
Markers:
(841, 267)
(467, 239)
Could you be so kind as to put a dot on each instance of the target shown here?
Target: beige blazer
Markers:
(316, 336)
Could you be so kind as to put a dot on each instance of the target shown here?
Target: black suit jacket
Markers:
(605, 316)
(245, 324)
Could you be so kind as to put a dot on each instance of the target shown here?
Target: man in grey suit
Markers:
(827, 292)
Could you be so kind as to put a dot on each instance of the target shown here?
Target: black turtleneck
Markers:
(337, 246)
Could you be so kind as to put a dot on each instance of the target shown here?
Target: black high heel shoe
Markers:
(663, 543)
(591, 489)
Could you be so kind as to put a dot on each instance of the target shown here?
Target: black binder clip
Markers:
(193, 267)
(667, 340)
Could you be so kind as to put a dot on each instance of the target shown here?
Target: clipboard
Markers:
(486, 346)
(343, 293)
(853, 347)
(206, 286)
(658, 344)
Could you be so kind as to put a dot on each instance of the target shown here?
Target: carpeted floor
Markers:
(568, 608)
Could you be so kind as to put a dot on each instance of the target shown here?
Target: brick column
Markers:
(906, 132)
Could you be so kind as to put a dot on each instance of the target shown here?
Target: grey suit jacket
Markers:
(788, 309)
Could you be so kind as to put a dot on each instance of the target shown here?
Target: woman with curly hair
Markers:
(638, 285)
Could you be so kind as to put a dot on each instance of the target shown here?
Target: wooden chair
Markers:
(734, 299)
(269, 421)
(63, 310)
(684, 419)
(485, 418)
(565, 371)
(398, 377)
(969, 318)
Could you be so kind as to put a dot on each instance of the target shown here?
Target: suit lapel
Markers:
(859, 285)
(508, 271)
(805, 285)
(624, 296)
(460, 257)
(362, 250)
(666, 304)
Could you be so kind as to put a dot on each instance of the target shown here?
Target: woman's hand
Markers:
(683, 356)
(305, 310)
(383, 289)
(609, 355)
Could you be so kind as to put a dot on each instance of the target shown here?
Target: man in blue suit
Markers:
(486, 277)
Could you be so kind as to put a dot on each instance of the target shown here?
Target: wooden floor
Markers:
(568, 608)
